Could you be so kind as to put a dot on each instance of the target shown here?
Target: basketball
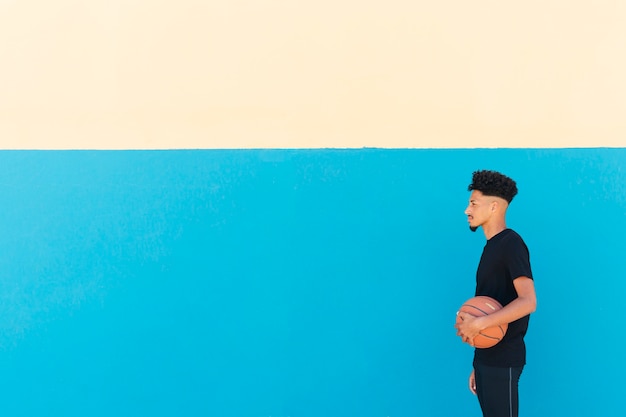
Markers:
(482, 306)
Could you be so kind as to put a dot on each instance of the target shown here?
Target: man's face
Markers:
(479, 210)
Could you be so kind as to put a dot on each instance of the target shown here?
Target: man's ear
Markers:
(498, 203)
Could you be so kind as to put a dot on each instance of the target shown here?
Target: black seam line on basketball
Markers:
(490, 337)
(494, 337)
(482, 311)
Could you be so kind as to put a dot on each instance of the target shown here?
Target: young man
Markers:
(503, 273)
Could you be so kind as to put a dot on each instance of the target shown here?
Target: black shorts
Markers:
(496, 389)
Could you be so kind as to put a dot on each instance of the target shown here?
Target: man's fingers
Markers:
(469, 341)
(472, 383)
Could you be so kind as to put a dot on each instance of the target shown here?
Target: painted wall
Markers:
(253, 283)
(119, 74)
(310, 282)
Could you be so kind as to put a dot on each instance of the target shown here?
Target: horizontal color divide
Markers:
(182, 137)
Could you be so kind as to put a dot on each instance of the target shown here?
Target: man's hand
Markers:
(468, 327)
(472, 382)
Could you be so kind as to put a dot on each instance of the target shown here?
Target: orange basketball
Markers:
(482, 306)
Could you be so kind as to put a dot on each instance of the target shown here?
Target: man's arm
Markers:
(523, 305)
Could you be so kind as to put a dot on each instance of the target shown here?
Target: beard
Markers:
(473, 228)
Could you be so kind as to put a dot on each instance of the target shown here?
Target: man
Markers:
(503, 273)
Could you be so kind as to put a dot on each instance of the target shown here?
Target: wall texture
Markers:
(297, 283)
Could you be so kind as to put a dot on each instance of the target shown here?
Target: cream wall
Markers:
(121, 74)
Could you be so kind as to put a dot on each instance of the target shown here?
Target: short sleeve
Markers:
(518, 259)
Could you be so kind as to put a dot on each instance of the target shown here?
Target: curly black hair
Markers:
(493, 183)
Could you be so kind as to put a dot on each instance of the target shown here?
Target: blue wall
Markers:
(298, 283)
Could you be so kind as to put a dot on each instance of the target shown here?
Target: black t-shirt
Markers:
(505, 258)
